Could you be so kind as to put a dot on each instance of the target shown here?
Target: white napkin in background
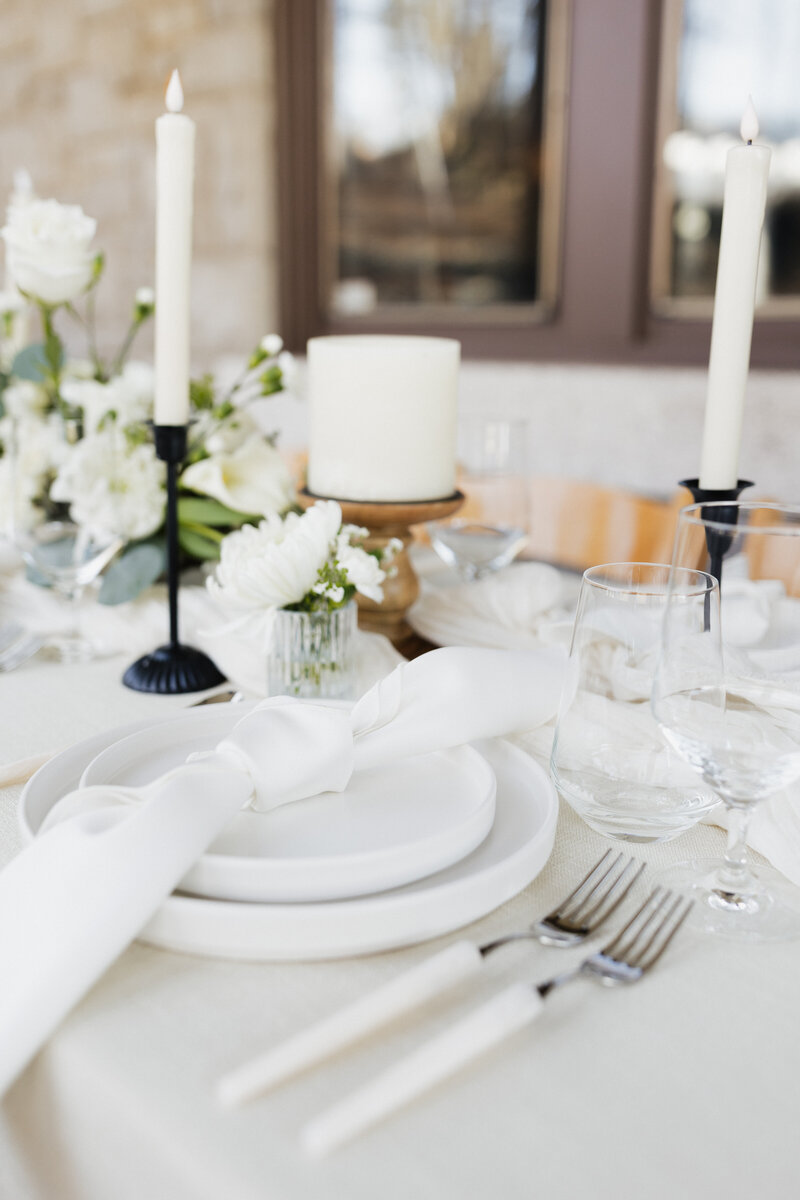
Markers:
(81, 892)
(140, 625)
(521, 607)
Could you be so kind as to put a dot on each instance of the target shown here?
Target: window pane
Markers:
(435, 146)
(725, 52)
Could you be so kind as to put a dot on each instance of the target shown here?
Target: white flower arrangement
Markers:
(307, 562)
(80, 429)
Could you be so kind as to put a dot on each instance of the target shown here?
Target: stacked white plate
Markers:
(403, 854)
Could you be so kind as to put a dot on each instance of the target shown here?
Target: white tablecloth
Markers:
(684, 1086)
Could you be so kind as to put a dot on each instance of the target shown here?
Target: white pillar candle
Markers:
(746, 172)
(383, 417)
(174, 185)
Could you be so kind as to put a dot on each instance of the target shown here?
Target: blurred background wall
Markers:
(540, 178)
(81, 84)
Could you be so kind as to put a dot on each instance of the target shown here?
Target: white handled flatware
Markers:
(624, 960)
(591, 903)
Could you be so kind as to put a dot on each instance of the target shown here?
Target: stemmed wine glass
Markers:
(727, 697)
(60, 553)
(492, 453)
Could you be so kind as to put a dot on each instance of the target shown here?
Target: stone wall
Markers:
(81, 83)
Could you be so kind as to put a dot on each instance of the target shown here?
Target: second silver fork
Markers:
(585, 909)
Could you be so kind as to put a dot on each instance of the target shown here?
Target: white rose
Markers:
(277, 563)
(253, 478)
(48, 249)
(145, 297)
(11, 303)
(111, 486)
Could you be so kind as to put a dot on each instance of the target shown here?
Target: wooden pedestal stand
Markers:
(386, 520)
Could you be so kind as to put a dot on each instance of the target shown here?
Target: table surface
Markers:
(686, 1085)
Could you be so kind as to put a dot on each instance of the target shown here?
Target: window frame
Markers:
(603, 311)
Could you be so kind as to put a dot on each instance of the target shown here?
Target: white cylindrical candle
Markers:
(383, 417)
(174, 186)
(745, 197)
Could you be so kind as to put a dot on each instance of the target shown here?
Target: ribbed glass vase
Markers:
(313, 654)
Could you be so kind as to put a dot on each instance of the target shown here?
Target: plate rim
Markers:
(518, 870)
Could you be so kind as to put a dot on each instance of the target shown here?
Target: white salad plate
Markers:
(509, 858)
(389, 827)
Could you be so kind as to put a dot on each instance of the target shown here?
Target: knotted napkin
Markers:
(108, 856)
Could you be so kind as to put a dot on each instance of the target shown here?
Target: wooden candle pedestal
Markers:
(386, 519)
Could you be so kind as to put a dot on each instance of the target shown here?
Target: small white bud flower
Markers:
(272, 344)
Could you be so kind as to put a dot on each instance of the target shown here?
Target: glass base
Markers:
(68, 648)
(768, 910)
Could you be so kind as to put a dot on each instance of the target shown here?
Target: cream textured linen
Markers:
(108, 855)
(685, 1086)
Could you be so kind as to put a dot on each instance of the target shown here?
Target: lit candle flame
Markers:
(749, 125)
(174, 94)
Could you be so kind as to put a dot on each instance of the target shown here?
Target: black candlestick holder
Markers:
(718, 543)
(172, 668)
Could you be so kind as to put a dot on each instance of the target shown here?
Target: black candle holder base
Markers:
(172, 670)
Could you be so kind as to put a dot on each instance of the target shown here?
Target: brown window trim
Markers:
(603, 311)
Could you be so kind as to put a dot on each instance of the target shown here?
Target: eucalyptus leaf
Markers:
(202, 510)
(135, 569)
(31, 363)
(197, 545)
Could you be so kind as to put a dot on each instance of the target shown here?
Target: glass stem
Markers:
(735, 875)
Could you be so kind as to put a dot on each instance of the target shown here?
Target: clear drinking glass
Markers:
(58, 552)
(68, 557)
(492, 454)
(312, 654)
(728, 700)
(609, 760)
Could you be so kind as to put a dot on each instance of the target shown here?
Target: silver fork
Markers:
(592, 902)
(623, 961)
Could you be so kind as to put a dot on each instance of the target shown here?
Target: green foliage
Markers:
(31, 363)
(139, 565)
(200, 541)
(202, 510)
(201, 392)
(271, 381)
(329, 576)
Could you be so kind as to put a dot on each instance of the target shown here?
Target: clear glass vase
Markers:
(313, 654)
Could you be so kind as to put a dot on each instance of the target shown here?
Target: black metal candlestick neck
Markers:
(717, 542)
(172, 669)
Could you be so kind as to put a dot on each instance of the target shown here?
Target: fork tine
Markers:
(574, 897)
(610, 901)
(653, 958)
(618, 947)
(635, 952)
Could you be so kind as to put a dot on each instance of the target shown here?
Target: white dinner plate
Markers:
(513, 854)
(389, 827)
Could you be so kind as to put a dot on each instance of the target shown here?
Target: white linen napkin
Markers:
(82, 891)
(523, 606)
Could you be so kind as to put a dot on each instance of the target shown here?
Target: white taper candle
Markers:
(174, 186)
(745, 196)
